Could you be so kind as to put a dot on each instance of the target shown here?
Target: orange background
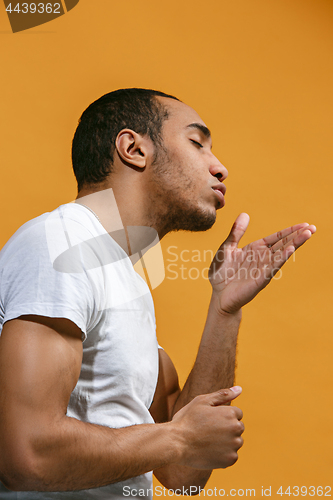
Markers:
(260, 74)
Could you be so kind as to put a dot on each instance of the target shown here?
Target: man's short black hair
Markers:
(94, 140)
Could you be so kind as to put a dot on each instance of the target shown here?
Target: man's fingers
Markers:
(281, 251)
(223, 396)
(238, 229)
(275, 237)
(239, 416)
(296, 239)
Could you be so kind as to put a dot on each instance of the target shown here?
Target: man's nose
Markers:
(218, 170)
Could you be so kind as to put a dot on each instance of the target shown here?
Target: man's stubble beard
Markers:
(175, 212)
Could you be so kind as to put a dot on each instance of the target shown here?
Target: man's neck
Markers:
(130, 232)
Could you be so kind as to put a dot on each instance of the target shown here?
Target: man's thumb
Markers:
(224, 396)
(238, 229)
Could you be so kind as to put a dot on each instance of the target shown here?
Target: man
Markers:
(78, 418)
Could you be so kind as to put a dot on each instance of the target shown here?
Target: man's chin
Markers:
(195, 222)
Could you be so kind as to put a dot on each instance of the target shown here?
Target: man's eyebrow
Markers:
(202, 128)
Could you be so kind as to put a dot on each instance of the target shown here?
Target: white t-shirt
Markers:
(64, 264)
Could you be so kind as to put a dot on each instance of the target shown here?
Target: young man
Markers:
(77, 418)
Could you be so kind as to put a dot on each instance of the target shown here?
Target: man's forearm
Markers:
(75, 455)
(214, 367)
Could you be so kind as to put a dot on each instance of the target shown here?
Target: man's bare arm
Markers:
(214, 369)
(42, 449)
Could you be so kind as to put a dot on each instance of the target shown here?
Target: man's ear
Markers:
(133, 148)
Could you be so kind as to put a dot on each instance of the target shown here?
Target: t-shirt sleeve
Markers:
(32, 283)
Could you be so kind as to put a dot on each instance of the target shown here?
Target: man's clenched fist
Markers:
(209, 430)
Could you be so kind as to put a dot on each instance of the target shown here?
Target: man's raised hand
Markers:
(238, 274)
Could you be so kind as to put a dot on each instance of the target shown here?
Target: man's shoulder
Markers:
(30, 233)
(68, 218)
(42, 272)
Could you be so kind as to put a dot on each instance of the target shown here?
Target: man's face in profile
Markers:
(186, 180)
